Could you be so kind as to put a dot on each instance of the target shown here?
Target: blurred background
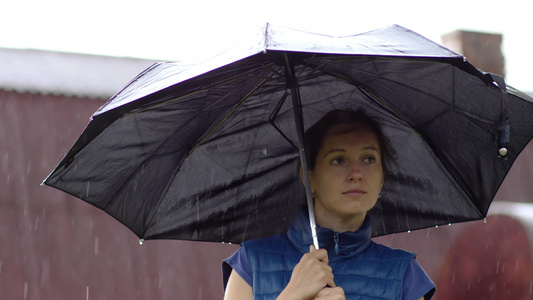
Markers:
(60, 61)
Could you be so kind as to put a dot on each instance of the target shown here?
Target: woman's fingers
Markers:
(309, 276)
(313, 269)
(327, 293)
(321, 255)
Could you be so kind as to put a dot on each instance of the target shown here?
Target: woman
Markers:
(347, 156)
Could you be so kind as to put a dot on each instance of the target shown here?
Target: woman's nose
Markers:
(355, 173)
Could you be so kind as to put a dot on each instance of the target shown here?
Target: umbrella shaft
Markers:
(298, 122)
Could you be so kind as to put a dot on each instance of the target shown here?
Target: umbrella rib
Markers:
(233, 109)
(276, 72)
(313, 72)
(375, 97)
(172, 99)
(369, 93)
(411, 87)
(380, 76)
(274, 115)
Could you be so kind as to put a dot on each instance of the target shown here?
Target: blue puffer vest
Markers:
(364, 269)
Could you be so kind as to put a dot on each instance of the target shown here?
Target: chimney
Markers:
(483, 50)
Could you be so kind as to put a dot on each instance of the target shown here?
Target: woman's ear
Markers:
(381, 185)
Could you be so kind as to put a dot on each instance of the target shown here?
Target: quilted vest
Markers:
(364, 269)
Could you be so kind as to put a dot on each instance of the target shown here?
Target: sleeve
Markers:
(416, 283)
(238, 262)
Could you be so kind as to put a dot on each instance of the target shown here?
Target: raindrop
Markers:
(29, 166)
(436, 226)
(485, 220)
(141, 241)
(88, 183)
(160, 282)
(264, 152)
(229, 243)
(449, 224)
(26, 290)
(96, 246)
(197, 211)
(408, 231)
(87, 296)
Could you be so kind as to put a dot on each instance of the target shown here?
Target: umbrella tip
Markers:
(503, 152)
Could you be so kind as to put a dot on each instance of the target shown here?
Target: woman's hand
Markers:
(310, 277)
(330, 293)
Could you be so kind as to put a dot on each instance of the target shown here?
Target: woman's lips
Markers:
(354, 192)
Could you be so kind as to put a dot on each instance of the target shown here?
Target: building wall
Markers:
(54, 246)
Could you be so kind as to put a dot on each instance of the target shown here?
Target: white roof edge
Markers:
(522, 211)
(66, 74)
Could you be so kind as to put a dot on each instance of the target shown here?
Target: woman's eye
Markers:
(369, 159)
(337, 161)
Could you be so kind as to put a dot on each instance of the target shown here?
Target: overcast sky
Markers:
(178, 30)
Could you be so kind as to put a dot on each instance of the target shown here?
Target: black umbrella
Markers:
(209, 151)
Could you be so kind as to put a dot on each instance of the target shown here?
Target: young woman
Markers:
(347, 155)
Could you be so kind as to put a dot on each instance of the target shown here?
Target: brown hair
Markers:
(314, 136)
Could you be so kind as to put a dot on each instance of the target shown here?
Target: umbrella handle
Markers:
(292, 84)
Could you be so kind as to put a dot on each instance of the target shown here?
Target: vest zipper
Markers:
(336, 240)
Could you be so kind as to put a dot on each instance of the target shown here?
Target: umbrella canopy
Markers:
(206, 151)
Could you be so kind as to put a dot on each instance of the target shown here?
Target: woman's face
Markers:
(348, 175)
